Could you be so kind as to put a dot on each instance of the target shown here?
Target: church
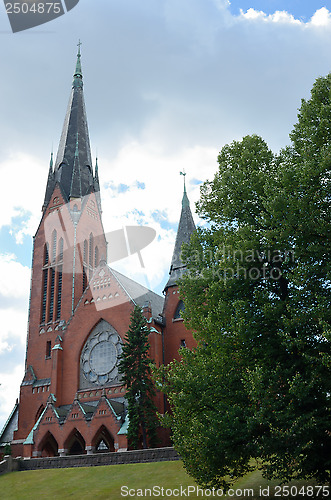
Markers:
(71, 398)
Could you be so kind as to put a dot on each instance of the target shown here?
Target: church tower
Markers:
(176, 335)
(71, 399)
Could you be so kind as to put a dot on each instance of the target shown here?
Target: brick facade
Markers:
(71, 398)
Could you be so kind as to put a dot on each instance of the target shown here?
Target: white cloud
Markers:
(280, 16)
(14, 278)
(14, 295)
(9, 390)
(26, 181)
(322, 17)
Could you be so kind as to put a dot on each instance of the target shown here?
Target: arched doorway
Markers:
(75, 443)
(48, 446)
(103, 441)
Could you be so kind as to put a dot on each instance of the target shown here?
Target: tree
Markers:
(258, 296)
(135, 366)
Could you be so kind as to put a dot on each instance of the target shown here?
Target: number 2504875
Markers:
(34, 8)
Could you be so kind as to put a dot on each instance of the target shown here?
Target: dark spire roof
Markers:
(50, 183)
(73, 165)
(186, 228)
(96, 184)
(76, 179)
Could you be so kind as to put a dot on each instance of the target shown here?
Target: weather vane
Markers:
(183, 173)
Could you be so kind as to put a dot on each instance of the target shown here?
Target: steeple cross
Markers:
(78, 45)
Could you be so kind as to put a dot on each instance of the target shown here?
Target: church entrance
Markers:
(48, 446)
(103, 441)
(75, 444)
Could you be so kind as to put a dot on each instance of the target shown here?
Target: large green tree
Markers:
(135, 367)
(258, 296)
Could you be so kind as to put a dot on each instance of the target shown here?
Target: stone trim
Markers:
(90, 460)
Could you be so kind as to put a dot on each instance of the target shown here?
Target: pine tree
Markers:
(135, 366)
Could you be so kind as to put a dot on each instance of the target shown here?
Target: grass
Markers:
(105, 483)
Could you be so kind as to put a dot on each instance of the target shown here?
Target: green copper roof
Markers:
(125, 426)
(29, 439)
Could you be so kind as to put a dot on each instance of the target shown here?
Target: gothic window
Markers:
(180, 307)
(85, 252)
(48, 349)
(52, 293)
(84, 280)
(54, 236)
(46, 254)
(59, 293)
(61, 249)
(96, 257)
(100, 355)
(44, 296)
(91, 250)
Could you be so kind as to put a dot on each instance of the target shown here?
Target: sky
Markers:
(167, 84)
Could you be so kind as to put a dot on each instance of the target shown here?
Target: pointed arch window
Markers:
(84, 280)
(44, 296)
(91, 250)
(96, 256)
(61, 249)
(54, 236)
(179, 309)
(59, 293)
(52, 295)
(85, 250)
(46, 254)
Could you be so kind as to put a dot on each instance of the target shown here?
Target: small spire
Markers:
(185, 200)
(78, 76)
(186, 228)
(50, 184)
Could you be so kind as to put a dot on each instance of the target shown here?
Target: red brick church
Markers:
(71, 398)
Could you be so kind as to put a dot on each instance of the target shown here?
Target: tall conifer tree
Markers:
(136, 372)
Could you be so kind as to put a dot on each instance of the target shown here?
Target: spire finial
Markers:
(185, 200)
(78, 76)
(51, 161)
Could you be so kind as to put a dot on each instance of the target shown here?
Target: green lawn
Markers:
(98, 483)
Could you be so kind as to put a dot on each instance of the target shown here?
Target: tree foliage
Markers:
(135, 367)
(258, 296)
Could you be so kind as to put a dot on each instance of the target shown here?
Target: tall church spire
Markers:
(186, 228)
(73, 165)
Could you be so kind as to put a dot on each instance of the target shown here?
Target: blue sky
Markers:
(167, 84)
